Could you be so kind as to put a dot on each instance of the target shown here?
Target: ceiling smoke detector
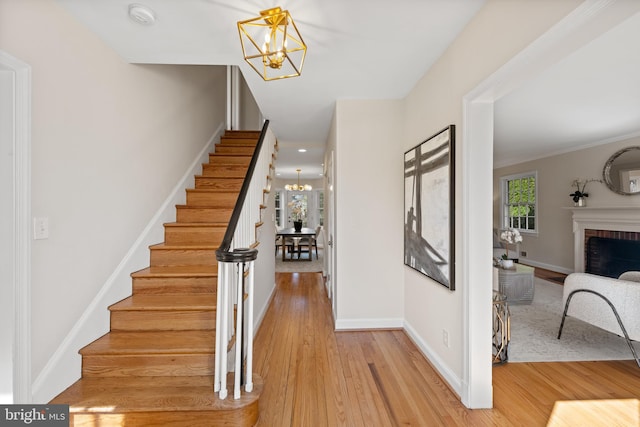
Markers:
(141, 14)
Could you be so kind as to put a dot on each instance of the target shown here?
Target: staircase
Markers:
(156, 365)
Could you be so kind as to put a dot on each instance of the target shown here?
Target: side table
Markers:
(501, 328)
(516, 283)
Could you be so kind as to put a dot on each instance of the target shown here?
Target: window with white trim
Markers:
(278, 202)
(519, 206)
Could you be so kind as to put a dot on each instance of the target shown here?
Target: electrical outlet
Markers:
(445, 337)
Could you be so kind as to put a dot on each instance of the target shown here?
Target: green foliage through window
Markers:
(520, 202)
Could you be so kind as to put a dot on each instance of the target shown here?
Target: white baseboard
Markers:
(449, 376)
(546, 266)
(359, 324)
(64, 367)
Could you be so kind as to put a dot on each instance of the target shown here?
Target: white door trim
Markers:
(21, 223)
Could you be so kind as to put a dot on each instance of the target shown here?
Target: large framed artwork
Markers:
(429, 207)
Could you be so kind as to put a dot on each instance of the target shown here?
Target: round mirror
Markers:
(622, 171)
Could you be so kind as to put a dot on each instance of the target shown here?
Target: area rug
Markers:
(300, 266)
(534, 332)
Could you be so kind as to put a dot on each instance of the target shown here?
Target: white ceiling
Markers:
(378, 50)
(590, 97)
(357, 49)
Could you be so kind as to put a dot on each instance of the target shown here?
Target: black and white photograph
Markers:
(429, 207)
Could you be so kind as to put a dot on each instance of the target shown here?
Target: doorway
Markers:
(309, 205)
(15, 243)
(477, 190)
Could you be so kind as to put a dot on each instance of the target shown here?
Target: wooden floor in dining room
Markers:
(315, 376)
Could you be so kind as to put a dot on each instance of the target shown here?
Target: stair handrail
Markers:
(237, 209)
(236, 256)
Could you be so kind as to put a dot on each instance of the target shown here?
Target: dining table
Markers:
(292, 233)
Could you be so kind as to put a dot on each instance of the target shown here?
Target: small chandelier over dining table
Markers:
(272, 45)
(298, 187)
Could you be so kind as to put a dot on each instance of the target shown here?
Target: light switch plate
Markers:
(40, 228)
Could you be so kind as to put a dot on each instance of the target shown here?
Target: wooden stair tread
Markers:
(240, 142)
(231, 132)
(183, 302)
(164, 246)
(222, 225)
(178, 271)
(237, 143)
(247, 142)
(222, 177)
(144, 394)
(211, 190)
(152, 342)
(203, 207)
(231, 154)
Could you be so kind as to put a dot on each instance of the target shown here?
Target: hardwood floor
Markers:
(314, 376)
(550, 275)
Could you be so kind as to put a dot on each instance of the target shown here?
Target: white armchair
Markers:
(608, 303)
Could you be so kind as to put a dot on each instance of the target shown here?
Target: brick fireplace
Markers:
(606, 228)
(610, 253)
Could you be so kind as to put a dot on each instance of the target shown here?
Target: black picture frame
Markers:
(429, 207)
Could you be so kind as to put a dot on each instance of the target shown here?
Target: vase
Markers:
(582, 202)
(297, 225)
(507, 263)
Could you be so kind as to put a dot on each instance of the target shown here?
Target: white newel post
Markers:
(231, 272)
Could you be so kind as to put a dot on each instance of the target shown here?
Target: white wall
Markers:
(552, 247)
(250, 114)
(110, 141)
(369, 202)
(265, 265)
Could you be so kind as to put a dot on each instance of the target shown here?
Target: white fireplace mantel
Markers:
(615, 218)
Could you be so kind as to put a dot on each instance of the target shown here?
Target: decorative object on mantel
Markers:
(510, 236)
(580, 195)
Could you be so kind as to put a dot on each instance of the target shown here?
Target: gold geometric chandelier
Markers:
(272, 45)
(298, 187)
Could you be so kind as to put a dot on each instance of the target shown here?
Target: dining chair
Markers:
(286, 244)
(310, 243)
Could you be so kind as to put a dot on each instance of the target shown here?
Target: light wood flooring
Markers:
(314, 376)
(550, 275)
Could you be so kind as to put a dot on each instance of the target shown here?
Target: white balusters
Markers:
(249, 367)
(232, 265)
